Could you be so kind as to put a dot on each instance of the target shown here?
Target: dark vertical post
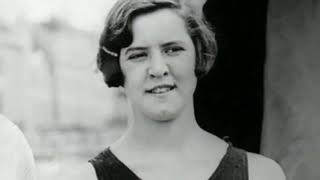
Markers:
(229, 101)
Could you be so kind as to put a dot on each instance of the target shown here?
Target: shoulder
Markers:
(82, 170)
(10, 134)
(105, 164)
(263, 168)
(7, 127)
(15, 151)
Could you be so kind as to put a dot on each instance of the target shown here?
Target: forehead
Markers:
(159, 27)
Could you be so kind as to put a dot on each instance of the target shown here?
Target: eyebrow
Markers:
(135, 49)
(167, 44)
(172, 43)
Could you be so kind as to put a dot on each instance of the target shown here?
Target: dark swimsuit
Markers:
(233, 166)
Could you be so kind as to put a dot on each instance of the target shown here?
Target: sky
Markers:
(83, 14)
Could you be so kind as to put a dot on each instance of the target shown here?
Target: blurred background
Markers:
(50, 87)
(49, 84)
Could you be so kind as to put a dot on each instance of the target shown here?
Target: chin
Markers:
(160, 109)
(163, 115)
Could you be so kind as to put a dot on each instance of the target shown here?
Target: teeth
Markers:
(160, 90)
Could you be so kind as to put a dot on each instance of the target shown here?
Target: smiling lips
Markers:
(160, 89)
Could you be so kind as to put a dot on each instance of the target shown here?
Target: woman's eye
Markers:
(173, 50)
(137, 56)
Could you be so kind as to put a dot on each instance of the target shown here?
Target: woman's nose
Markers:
(158, 67)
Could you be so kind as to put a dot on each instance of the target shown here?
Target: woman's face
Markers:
(159, 66)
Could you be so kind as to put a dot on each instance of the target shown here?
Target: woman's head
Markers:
(158, 66)
(118, 34)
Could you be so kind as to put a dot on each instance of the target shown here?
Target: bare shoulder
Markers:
(12, 136)
(263, 168)
(87, 172)
(5, 124)
(16, 155)
(9, 132)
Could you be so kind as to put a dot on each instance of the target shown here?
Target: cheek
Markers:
(185, 68)
(189, 75)
(126, 80)
(185, 74)
(133, 80)
(126, 72)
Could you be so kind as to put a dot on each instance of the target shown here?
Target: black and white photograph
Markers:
(159, 90)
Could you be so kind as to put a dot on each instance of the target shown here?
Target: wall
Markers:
(291, 132)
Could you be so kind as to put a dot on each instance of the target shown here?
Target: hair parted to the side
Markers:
(117, 34)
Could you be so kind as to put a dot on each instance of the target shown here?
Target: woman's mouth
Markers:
(161, 89)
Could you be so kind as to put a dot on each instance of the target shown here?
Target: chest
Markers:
(232, 166)
(172, 170)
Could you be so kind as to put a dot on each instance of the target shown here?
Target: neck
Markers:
(144, 133)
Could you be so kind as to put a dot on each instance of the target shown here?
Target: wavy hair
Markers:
(117, 34)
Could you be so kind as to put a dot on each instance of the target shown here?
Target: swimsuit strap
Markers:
(233, 166)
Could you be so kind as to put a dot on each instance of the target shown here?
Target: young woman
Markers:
(156, 50)
(16, 158)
